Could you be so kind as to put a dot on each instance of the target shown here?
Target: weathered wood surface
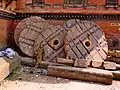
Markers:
(61, 61)
(109, 65)
(7, 65)
(27, 31)
(113, 59)
(105, 65)
(65, 61)
(116, 75)
(86, 74)
(85, 40)
(118, 66)
(76, 63)
(27, 61)
(52, 40)
(116, 60)
(82, 63)
(97, 64)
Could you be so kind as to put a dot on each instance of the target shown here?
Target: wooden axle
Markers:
(86, 74)
(85, 63)
(116, 75)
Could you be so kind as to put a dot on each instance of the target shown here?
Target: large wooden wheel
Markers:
(18, 29)
(52, 40)
(85, 40)
(27, 31)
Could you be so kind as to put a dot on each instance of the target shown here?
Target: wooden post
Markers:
(86, 74)
(118, 66)
(76, 63)
(30, 62)
(116, 75)
(82, 63)
(117, 60)
(97, 64)
(109, 65)
(65, 61)
(113, 59)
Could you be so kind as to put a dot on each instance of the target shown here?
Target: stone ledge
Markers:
(7, 65)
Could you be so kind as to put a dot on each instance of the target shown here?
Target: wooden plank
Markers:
(109, 65)
(29, 29)
(77, 63)
(116, 60)
(7, 65)
(86, 74)
(96, 63)
(113, 59)
(82, 63)
(116, 75)
(65, 61)
(118, 66)
(27, 61)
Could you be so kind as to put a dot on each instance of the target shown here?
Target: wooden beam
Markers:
(114, 53)
(97, 63)
(82, 63)
(76, 63)
(109, 65)
(118, 66)
(116, 75)
(27, 61)
(65, 61)
(86, 74)
(117, 60)
(113, 59)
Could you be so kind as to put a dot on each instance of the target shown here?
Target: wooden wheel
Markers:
(52, 40)
(85, 40)
(28, 30)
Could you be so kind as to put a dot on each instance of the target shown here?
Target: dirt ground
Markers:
(28, 78)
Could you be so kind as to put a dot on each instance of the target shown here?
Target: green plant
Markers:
(12, 74)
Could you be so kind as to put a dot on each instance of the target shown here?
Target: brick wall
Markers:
(109, 28)
(97, 2)
(20, 4)
(3, 25)
(11, 25)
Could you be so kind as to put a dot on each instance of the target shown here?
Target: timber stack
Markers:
(76, 50)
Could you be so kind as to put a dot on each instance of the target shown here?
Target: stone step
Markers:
(7, 65)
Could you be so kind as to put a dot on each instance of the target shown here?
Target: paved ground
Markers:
(29, 79)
